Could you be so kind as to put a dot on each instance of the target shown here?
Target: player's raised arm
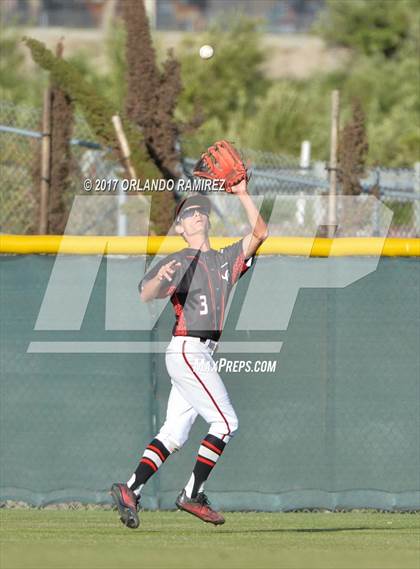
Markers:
(259, 232)
(155, 286)
(222, 161)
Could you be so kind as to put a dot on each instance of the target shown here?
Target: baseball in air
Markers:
(206, 52)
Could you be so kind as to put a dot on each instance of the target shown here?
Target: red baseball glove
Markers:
(222, 162)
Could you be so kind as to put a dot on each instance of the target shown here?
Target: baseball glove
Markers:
(222, 162)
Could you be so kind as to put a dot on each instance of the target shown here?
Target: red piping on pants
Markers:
(205, 388)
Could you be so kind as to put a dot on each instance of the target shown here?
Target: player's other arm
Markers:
(259, 233)
(157, 285)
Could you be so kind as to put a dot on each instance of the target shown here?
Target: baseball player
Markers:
(198, 280)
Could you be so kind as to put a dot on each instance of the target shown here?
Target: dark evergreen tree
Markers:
(352, 151)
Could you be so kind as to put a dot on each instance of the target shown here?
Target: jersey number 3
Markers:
(203, 304)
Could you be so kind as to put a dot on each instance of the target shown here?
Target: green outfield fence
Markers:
(337, 424)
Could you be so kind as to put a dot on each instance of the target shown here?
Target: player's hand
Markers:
(240, 188)
(166, 272)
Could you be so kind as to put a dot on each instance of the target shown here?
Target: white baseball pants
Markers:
(197, 389)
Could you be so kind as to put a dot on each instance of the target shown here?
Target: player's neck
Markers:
(199, 242)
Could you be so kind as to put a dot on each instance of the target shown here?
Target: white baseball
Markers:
(206, 52)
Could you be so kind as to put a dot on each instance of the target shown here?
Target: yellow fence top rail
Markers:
(299, 246)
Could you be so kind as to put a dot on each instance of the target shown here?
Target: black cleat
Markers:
(199, 507)
(127, 504)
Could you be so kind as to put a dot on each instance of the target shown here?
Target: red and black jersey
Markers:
(200, 288)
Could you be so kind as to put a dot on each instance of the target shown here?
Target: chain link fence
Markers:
(273, 176)
(20, 151)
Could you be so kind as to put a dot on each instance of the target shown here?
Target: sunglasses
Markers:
(191, 211)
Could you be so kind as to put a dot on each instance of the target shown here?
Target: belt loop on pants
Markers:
(210, 344)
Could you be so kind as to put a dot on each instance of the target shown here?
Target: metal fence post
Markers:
(376, 207)
(332, 201)
(45, 163)
(304, 164)
(305, 155)
(121, 215)
(417, 198)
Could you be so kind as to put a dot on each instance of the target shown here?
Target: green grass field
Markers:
(51, 539)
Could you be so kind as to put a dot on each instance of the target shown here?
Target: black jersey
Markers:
(200, 288)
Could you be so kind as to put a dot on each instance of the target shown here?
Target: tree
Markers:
(227, 87)
(151, 94)
(16, 84)
(352, 151)
(290, 113)
(97, 110)
(369, 27)
(61, 161)
(383, 72)
(62, 119)
(150, 103)
(151, 98)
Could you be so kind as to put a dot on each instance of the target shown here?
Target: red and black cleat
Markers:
(200, 507)
(127, 504)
